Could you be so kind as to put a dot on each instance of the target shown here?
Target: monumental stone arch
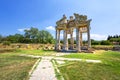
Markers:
(81, 24)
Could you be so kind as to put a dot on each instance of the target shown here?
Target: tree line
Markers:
(33, 35)
(115, 38)
(111, 40)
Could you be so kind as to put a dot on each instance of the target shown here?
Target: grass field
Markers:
(109, 69)
(36, 52)
(14, 67)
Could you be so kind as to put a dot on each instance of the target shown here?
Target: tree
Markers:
(1, 38)
(31, 34)
(109, 37)
(45, 37)
(17, 38)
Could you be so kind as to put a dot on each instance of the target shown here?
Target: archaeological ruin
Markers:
(78, 23)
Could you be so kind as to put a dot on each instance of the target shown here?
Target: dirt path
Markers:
(44, 70)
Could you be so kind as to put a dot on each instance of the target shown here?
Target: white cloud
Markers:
(95, 37)
(22, 29)
(50, 28)
(98, 37)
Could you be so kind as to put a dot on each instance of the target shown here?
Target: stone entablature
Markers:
(78, 22)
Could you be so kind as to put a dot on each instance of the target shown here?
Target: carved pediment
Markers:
(76, 21)
(70, 30)
(62, 21)
(71, 24)
(80, 19)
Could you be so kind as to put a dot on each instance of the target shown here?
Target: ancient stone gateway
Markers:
(78, 22)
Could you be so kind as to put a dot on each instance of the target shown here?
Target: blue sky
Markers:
(16, 15)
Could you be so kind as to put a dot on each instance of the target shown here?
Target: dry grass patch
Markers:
(13, 67)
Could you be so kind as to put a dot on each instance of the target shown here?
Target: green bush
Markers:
(6, 43)
(105, 42)
(95, 42)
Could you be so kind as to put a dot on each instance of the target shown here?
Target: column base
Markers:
(71, 47)
(64, 48)
(79, 51)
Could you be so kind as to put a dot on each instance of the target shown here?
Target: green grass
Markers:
(36, 52)
(109, 69)
(100, 54)
(14, 67)
(57, 73)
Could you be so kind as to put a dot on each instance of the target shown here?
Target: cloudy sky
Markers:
(17, 15)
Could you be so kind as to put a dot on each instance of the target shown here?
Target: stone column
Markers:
(78, 48)
(58, 40)
(81, 39)
(66, 41)
(88, 36)
(57, 45)
(72, 41)
(65, 47)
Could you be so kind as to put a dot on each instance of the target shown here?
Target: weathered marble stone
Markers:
(78, 22)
